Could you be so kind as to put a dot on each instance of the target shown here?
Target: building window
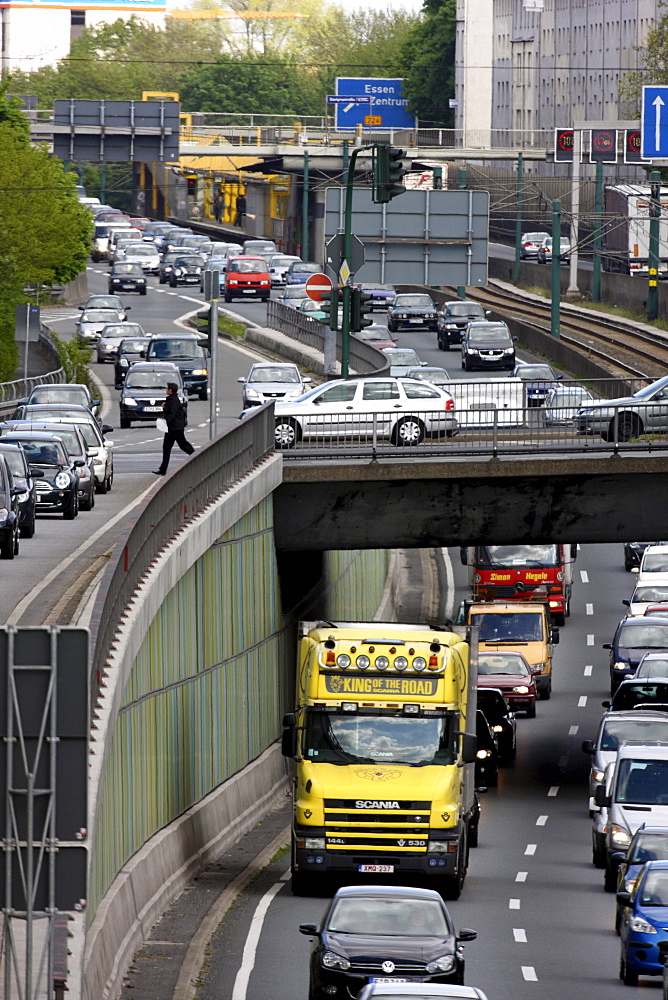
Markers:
(77, 23)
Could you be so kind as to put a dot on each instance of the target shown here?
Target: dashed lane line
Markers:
(520, 935)
(529, 974)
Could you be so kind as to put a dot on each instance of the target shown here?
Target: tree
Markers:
(246, 85)
(44, 231)
(428, 60)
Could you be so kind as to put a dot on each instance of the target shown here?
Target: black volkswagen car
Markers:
(488, 346)
(411, 309)
(127, 277)
(187, 354)
(57, 486)
(24, 479)
(9, 512)
(454, 319)
(383, 934)
(130, 351)
(144, 391)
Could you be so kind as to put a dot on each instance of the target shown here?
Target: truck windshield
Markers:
(493, 556)
(363, 739)
(501, 626)
(643, 782)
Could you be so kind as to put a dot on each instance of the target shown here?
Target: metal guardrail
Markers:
(181, 496)
(364, 358)
(22, 387)
(492, 418)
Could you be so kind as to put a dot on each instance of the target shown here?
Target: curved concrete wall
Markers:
(184, 759)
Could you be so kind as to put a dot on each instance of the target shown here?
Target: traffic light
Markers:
(329, 302)
(388, 171)
(359, 310)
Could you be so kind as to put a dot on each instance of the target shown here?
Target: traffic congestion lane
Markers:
(35, 581)
(545, 925)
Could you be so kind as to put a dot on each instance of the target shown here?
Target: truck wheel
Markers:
(531, 712)
(610, 880)
(452, 885)
(559, 618)
(598, 851)
(546, 693)
(299, 884)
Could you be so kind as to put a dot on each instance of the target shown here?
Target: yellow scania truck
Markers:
(384, 744)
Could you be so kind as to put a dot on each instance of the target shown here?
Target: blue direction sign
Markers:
(654, 123)
(387, 110)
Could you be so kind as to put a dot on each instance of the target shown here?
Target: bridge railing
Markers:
(482, 419)
(364, 358)
(180, 497)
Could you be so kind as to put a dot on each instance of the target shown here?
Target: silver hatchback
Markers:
(266, 381)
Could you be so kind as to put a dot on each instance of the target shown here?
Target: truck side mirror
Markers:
(289, 743)
(606, 704)
(601, 798)
(588, 746)
(574, 546)
(463, 555)
(626, 604)
(554, 636)
(606, 645)
(310, 929)
(469, 748)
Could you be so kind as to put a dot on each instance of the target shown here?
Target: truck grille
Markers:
(405, 828)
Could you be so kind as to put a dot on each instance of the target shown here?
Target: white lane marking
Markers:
(541, 821)
(205, 424)
(529, 974)
(590, 640)
(514, 904)
(588, 670)
(582, 701)
(135, 444)
(189, 298)
(584, 576)
(520, 935)
(573, 730)
(521, 877)
(589, 609)
(174, 293)
(449, 584)
(250, 948)
(554, 790)
(24, 604)
(530, 850)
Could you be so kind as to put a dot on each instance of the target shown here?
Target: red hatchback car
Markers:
(511, 673)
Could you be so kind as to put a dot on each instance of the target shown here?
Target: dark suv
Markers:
(454, 319)
(189, 357)
(144, 391)
(488, 346)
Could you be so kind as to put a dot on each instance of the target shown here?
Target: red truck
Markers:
(523, 573)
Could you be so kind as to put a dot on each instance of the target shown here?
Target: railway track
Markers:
(585, 332)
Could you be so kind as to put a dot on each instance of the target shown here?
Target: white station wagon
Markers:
(401, 410)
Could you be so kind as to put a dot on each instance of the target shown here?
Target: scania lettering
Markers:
(383, 706)
(523, 573)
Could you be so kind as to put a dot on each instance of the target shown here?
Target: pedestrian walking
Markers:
(175, 417)
(218, 206)
(240, 205)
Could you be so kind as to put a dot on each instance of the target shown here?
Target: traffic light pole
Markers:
(518, 221)
(347, 248)
(556, 271)
(598, 235)
(653, 269)
(213, 368)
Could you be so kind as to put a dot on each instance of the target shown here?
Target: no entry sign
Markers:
(316, 284)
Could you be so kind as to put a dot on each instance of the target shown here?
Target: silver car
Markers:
(267, 381)
(402, 411)
(627, 417)
(278, 267)
(92, 322)
(402, 360)
(111, 337)
(144, 254)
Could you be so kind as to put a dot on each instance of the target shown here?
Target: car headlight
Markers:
(438, 846)
(4, 513)
(314, 843)
(22, 497)
(98, 461)
(62, 480)
(445, 963)
(629, 884)
(124, 363)
(294, 394)
(198, 371)
(597, 774)
(621, 665)
(497, 729)
(252, 393)
(537, 668)
(473, 350)
(333, 961)
(177, 270)
(129, 401)
(521, 689)
(508, 350)
(641, 926)
(619, 836)
(483, 754)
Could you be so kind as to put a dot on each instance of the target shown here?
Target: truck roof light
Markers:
(419, 664)
(433, 662)
(348, 706)
(330, 659)
(393, 649)
(411, 710)
(400, 663)
(411, 651)
(381, 663)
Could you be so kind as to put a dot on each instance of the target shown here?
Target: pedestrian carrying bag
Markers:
(161, 425)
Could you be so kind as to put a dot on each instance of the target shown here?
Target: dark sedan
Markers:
(24, 479)
(144, 391)
(130, 350)
(454, 319)
(9, 512)
(128, 278)
(380, 934)
(634, 551)
(57, 486)
(633, 638)
(501, 721)
(187, 354)
(411, 309)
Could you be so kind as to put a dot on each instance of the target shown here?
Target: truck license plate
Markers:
(375, 868)
(387, 979)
